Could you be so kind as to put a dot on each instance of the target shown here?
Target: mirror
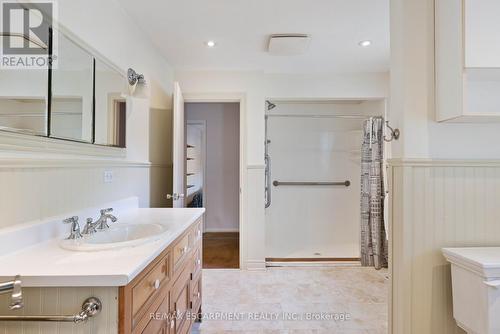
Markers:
(82, 98)
(23, 98)
(71, 108)
(110, 105)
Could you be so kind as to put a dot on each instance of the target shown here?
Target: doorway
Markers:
(213, 177)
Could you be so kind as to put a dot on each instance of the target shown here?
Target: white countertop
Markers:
(47, 264)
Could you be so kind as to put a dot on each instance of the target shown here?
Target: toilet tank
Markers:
(475, 274)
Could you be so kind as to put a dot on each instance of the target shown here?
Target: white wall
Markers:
(412, 94)
(257, 87)
(221, 195)
(436, 202)
(41, 180)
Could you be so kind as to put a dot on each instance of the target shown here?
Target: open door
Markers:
(179, 150)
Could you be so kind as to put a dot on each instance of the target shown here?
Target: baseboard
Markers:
(314, 259)
(222, 230)
(313, 264)
(256, 265)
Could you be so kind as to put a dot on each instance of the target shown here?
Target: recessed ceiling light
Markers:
(365, 44)
(211, 44)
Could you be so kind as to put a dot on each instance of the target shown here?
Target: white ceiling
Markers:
(241, 29)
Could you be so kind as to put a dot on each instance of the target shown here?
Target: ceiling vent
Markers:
(288, 44)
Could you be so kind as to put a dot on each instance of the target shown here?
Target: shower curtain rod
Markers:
(361, 117)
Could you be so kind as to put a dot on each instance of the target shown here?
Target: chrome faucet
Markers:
(75, 228)
(102, 223)
(16, 297)
(90, 227)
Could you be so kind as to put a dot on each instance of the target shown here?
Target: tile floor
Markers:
(335, 292)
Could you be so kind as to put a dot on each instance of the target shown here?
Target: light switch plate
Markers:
(108, 176)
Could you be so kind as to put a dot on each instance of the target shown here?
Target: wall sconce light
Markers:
(134, 78)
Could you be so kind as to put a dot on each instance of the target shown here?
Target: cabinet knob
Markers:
(198, 262)
(199, 233)
(184, 250)
(198, 295)
(172, 323)
(156, 284)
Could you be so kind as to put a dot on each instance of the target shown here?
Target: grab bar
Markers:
(346, 183)
(267, 160)
(90, 308)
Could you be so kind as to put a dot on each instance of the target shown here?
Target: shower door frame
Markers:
(275, 261)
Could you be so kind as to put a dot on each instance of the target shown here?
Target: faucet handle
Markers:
(89, 228)
(71, 220)
(108, 210)
(75, 228)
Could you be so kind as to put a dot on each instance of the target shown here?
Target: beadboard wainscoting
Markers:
(62, 301)
(33, 189)
(436, 204)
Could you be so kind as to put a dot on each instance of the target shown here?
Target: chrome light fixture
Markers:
(135, 78)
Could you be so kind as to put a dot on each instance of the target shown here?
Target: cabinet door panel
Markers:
(482, 40)
(180, 305)
(160, 324)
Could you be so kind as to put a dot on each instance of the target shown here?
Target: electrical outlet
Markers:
(108, 176)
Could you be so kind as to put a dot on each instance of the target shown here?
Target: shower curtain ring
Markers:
(394, 133)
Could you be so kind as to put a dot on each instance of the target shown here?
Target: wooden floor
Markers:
(221, 250)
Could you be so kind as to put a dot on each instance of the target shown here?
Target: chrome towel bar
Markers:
(90, 308)
(14, 287)
(346, 183)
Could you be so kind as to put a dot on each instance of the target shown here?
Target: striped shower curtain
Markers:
(374, 245)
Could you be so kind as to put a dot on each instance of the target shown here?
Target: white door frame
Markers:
(241, 99)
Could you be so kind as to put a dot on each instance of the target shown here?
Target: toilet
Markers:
(475, 274)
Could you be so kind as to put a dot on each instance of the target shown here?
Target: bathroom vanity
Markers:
(148, 287)
(165, 297)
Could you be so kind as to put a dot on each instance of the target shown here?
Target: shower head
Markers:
(270, 105)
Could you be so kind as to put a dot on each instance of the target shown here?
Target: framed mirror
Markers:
(71, 100)
(23, 97)
(110, 105)
(82, 97)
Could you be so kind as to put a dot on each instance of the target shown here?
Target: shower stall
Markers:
(313, 171)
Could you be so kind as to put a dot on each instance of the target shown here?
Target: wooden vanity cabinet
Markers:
(164, 297)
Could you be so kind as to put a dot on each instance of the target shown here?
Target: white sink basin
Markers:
(117, 236)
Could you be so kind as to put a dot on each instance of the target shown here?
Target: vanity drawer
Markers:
(147, 288)
(196, 234)
(181, 249)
